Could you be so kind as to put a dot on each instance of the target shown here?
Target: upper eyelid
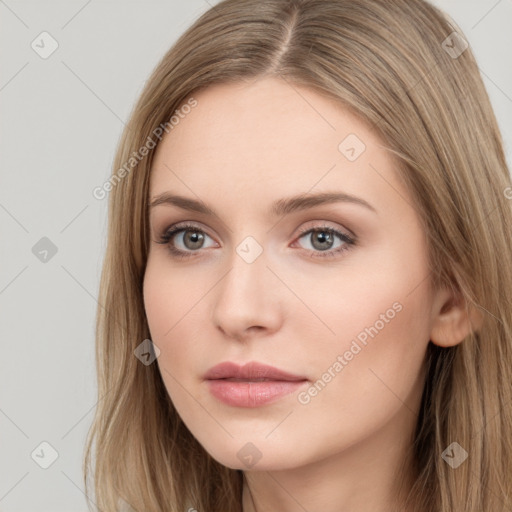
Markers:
(189, 225)
(184, 226)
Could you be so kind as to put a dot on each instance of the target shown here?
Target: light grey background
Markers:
(61, 121)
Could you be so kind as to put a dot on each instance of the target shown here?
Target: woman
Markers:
(307, 291)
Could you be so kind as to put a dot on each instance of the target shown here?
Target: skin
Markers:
(243, 147)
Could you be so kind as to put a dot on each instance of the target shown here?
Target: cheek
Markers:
(169, 295)
(165, 312)
(175, 302)
(378, 306)
(381, 320)
(369, 374)
(378, 345)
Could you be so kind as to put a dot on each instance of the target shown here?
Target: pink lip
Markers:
(252, 384)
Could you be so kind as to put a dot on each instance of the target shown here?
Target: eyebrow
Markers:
(278, 208)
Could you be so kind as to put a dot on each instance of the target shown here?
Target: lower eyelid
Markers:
(347, 240)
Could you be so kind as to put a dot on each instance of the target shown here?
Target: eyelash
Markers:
(169, 234)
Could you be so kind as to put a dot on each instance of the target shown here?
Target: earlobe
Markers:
(453, 320)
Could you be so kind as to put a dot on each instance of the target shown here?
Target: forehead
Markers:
(259, 141)
(268, 114)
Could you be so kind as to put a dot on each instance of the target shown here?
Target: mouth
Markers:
(252, 371)
(232, 379)
(251, 385)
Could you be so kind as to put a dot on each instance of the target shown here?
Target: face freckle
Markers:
(355, 325)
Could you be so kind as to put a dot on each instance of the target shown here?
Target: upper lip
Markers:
(248, 371)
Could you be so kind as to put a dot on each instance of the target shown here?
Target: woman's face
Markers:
(350, 320)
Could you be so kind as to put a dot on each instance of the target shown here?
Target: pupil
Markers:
(194, 238)
(323, 237)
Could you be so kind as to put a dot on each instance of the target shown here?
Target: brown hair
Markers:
(397, 65)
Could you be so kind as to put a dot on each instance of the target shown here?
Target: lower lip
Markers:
(252, 394)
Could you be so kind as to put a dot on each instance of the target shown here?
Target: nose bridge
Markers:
(246, 296)
(248, 270)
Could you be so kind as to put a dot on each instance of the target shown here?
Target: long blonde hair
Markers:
(398, 65)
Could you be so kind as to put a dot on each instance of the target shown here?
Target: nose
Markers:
(248, 299)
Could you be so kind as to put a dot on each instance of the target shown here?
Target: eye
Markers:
(322, 240)
(189, 236)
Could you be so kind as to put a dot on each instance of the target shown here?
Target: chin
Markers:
(252, 455)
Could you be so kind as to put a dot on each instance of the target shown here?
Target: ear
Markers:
(453, 319)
